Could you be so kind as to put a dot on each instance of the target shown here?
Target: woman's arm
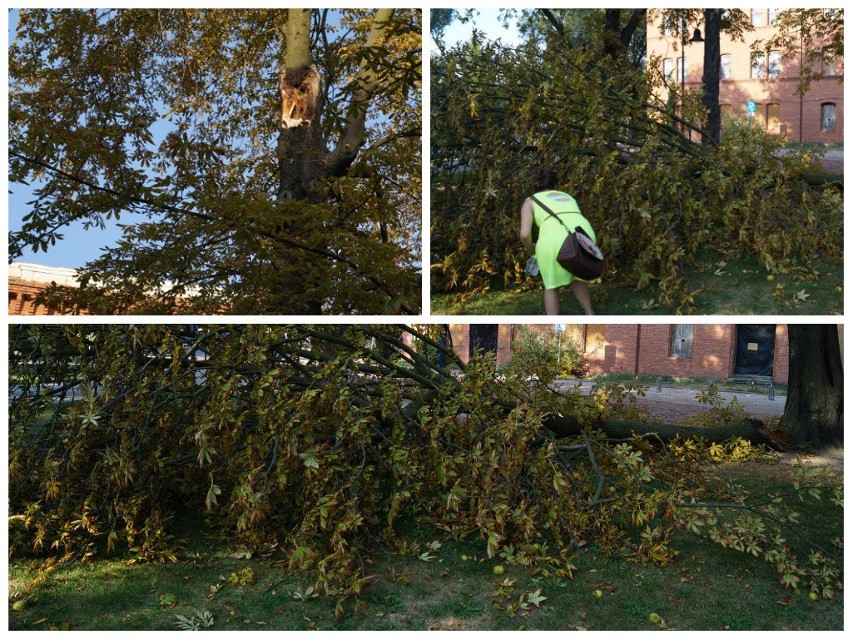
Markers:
(525, 232)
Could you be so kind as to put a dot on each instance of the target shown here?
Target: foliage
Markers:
(718, 412)
(321, 440)
(538, 351)
(198, 620)
(655, 198)
(172, 115)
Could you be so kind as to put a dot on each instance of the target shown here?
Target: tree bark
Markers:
(813, 414)
(300, 148)
(751, 430)
(712, 73)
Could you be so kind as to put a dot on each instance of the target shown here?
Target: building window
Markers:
(773, 16)
(774, 64)
(758, 66)
(829, 117)
(758, 17)
(595, 338)
(668, 70)
(682, 76)
(725, 67)
(829, 66)
(773, 118)
(681, 341)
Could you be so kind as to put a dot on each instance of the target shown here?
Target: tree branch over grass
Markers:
(357, 428)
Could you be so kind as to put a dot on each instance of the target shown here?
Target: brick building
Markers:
(696, 351)
(766, 80)
(26, 281)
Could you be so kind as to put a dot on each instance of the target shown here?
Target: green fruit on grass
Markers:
(654, 618)
(598, 593)
(499, 570)
(770, 278)
(813, 596)
(20, 604)
(464, 557)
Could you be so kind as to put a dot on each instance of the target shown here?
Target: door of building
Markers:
(755, 354)
(483, 337)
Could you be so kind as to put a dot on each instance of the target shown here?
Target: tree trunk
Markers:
(751, 430)
(711, 77)
(813, 414)
(300, 148)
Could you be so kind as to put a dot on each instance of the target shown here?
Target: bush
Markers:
(541, 351)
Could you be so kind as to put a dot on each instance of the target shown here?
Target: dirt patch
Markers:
(832, 457)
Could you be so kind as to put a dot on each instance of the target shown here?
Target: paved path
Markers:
(671, 403)
(831, 160)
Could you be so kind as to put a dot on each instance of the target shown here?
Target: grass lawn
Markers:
(707, 588)
(727, 287)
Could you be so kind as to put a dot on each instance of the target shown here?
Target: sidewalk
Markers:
(672, 402)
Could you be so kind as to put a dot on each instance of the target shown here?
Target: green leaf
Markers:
(310, 459)
(535, 598)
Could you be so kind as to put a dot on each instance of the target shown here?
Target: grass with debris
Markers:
(452, 586)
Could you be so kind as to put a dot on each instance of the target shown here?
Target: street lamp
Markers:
(696, 37)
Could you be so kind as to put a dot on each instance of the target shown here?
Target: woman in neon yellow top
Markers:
(551, 235)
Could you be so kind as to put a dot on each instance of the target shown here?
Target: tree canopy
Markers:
(177, 115)
(656, 199)
(325, 441)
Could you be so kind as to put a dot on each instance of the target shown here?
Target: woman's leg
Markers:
(551, 301)
(581, 292)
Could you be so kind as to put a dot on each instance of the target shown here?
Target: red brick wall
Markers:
(644, 350)
(781, 369)
(712, 352)
(504, 344)
(22, 294)
(616, 353)
(800, 118)
(460, 334)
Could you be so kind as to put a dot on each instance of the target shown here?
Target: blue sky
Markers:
(485, 20)
(80, 245)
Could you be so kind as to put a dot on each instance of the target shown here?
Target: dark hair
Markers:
(544, 179)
